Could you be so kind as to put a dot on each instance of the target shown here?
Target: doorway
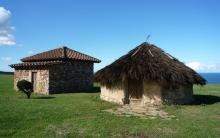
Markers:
(34, 81)
(135, 89)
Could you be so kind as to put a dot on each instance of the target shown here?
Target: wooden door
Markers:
(135, 89)
(34, 81)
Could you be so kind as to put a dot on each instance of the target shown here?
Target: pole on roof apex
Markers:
(64, 51)
(62, 45)
(147, 38)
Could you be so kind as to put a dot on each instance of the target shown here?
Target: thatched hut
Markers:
(147, 74)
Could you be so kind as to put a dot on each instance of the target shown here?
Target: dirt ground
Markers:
(151, 112)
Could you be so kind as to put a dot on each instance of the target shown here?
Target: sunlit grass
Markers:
(81, 115)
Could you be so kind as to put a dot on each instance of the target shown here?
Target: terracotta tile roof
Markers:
(62, 53)
(44, 63)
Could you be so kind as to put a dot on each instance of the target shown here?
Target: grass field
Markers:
(81, 115)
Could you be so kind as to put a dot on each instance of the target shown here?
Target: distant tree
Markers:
(25, 87)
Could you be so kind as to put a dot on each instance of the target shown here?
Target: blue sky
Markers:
(106, 29)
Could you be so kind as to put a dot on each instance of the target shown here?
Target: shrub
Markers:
(25, 87)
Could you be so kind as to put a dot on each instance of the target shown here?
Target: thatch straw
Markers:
(148, 62)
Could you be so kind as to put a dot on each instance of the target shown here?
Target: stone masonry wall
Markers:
(42, 79)
(21, 75)
(115, 94)
(178, 94)
(154, 93)
(71, 76)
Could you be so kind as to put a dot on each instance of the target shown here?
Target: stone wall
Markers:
(42, 79)
(115, 95)
(71, 76)
(21, 75)
(178, 94)
(155, 93)
(152, 93)
(68, 77)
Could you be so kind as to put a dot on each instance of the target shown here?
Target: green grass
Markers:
(81, 115)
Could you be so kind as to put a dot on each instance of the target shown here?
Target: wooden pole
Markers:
(126, 91)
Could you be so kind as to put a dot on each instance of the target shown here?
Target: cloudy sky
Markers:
(187, 29)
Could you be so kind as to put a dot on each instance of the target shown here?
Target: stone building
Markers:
(147, 75)
(56, 71)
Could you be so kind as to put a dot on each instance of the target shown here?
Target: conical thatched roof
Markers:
(148, 62)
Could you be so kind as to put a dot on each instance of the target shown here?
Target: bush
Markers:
(25, 87)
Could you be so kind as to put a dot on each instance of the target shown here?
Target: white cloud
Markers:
(6, 38)
(194, 65)
(203, 67)
(6, 58)
(5, 15)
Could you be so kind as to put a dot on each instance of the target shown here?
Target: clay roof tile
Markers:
(62, 53)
